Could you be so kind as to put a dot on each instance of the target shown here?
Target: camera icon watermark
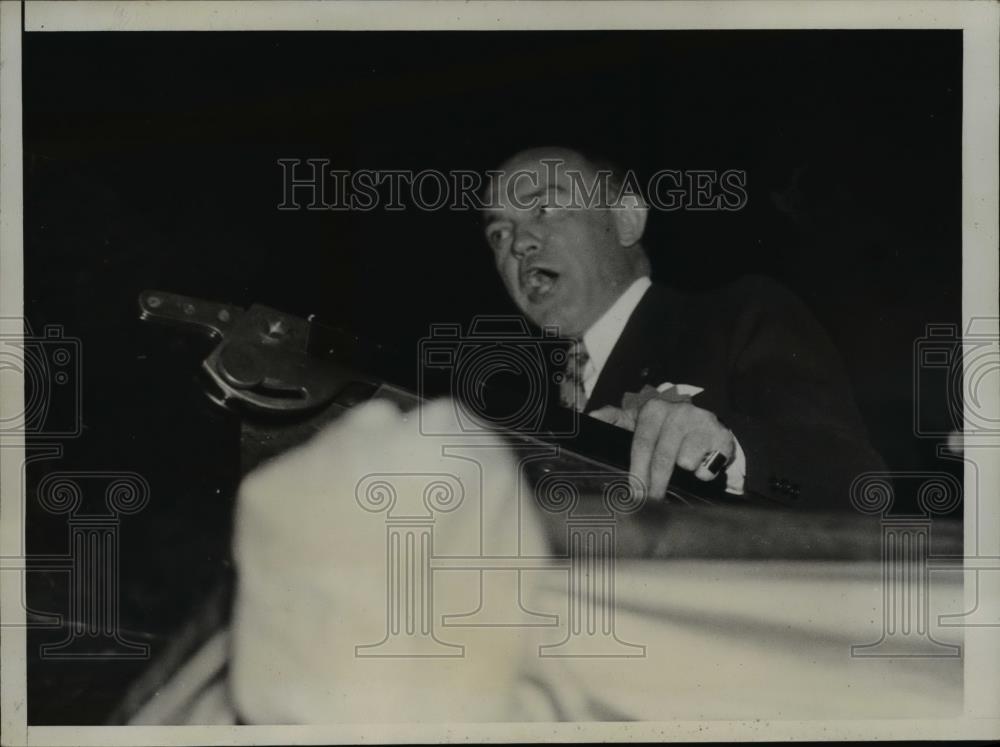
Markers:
(500, 375)
(963, 370)
(50, 365)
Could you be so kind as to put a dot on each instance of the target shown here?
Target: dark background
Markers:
(151, 162)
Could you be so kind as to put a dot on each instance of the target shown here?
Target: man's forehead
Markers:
(537, 169)
(541, 159)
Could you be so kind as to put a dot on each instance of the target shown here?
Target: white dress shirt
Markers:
(601, 338)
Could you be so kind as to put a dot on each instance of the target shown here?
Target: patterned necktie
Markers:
(571, 390)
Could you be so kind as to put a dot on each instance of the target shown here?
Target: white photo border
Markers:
(979, 21)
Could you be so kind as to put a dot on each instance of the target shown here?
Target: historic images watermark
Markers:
(93, 501)
(314, 184)
(92, 629)
(962, 370)
(961, 367)
(50, 365)
(412, 503)
(907, 560)
(491, 349)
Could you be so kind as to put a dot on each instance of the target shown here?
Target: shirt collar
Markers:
(600, 339)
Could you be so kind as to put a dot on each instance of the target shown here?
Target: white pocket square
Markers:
(688, 390)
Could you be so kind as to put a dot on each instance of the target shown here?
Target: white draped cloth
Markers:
(333, 543)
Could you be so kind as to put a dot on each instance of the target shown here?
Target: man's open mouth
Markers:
(538, 282)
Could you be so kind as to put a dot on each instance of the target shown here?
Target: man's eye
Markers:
(548, 209)
(496, 236)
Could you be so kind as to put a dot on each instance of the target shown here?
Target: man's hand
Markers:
(669, 434)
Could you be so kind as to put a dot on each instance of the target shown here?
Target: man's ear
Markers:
(630, 215)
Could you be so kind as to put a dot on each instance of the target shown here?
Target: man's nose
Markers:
(525, 243)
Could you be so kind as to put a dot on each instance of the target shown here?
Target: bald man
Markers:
(740, 384)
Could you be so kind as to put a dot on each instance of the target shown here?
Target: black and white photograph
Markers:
(521, 372)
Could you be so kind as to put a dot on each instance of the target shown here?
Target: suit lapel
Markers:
(644, 349)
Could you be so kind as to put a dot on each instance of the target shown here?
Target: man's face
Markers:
(562, 266)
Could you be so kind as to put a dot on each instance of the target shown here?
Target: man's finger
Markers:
(647, 433)
(724, 445)
(665, 454)
(694, 447)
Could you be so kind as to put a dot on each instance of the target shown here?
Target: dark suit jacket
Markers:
(770, 374)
